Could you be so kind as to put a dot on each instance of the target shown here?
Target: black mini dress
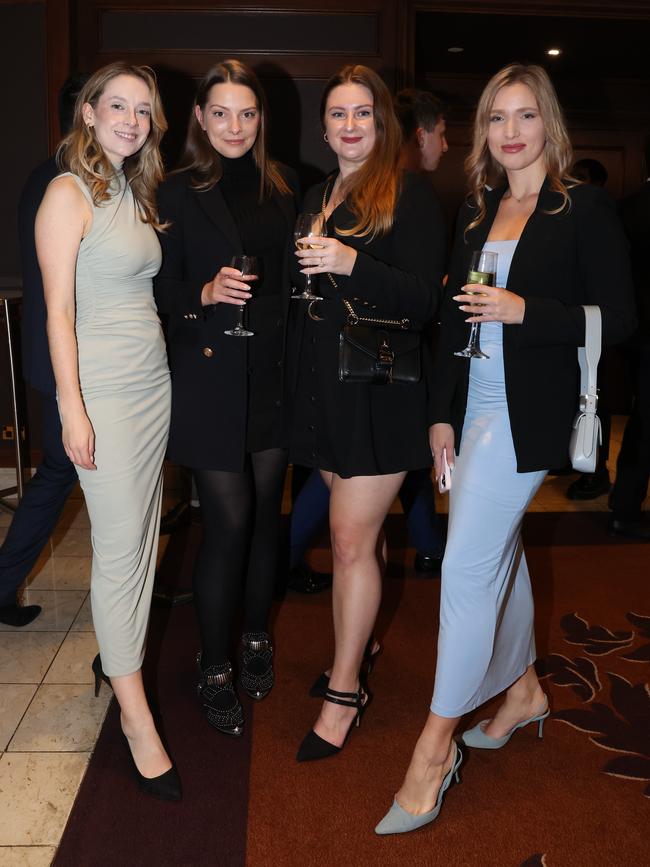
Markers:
(359, 429)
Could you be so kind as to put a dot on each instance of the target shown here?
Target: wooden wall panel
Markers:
(293, 48)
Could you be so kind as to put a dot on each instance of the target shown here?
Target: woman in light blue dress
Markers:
(508, 416)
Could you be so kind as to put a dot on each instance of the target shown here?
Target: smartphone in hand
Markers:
(444, 476)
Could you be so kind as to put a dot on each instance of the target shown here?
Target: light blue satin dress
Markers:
(486, 639)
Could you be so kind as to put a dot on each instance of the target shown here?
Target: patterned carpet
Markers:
(578, 798)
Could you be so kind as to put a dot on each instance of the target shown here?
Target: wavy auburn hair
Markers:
(480, 165)
(81, 153)
(202, 160)
(371, 192)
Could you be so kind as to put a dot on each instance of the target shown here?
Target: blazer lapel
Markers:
(214, 205)
(287, 209)
(285, 204)
(528, 246)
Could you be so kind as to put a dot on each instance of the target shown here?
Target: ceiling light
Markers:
(455, 49)
(554, 52)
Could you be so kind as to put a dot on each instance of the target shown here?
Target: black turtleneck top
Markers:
(260, 224)
(263, 232)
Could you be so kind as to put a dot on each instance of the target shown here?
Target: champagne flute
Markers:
(309, 225)
(247, 266)
(483, 270)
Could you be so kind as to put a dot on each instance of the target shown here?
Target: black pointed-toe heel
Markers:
(165, 787)
(322, 682)
(315, 747)
(220, 703)
(256, 676)
(99, 675)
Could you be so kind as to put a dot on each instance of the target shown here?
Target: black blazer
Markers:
(37, 366)
(362, 429)
(209, 369)
(563, 260)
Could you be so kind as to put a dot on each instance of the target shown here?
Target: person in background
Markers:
(590, 171)
(229, 420)
(424, 126)
(589, 486)
(45, 496)
(633, 465)
(384, 251)
(98, 253)
(559, 245)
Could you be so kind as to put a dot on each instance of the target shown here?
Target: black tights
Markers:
(241, 535)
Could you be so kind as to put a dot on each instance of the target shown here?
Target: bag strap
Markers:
(588, 357)
(353, 317)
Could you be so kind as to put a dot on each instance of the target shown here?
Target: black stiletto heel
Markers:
(315, 747)
(320, 685)
(99, 675)
(165, 787)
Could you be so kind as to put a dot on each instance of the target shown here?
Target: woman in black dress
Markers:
(228, 422)
(384, 253)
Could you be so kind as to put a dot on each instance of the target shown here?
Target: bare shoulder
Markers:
(65, 190)
(65, 204)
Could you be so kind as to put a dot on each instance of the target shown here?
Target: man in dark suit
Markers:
(46, 494)
(633, 465)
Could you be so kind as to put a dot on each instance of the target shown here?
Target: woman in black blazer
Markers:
(384, 253)
(228, 403)
(509, 414)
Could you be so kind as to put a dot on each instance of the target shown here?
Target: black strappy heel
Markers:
(315, 747)
(320, 686)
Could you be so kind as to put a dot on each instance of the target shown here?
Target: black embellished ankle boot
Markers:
(219, 699)
(257, 664)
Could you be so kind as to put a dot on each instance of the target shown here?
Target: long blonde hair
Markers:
(558, 154)
(81, 153)
(372, 191)
(202, 160)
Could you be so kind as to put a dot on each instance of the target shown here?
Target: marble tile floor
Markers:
(49, 717)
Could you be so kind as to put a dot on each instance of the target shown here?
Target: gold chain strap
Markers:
(353, 317)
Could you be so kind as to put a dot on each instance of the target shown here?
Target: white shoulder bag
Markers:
(586, 435)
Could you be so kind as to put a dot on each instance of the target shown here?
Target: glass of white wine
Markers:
(308, 226)
(483, 270)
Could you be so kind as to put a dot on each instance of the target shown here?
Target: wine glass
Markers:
(247, 266)
(483, 270)
(309, 225)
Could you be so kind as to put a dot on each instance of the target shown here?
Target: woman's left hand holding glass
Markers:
(326, 254)
(491, 304)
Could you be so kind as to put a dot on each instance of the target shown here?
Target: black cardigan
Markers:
(562, 261)
(209, 369)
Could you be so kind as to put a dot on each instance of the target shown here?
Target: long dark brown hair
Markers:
(199, 156)
(372, 191)
(81, 153)
(480, 165)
